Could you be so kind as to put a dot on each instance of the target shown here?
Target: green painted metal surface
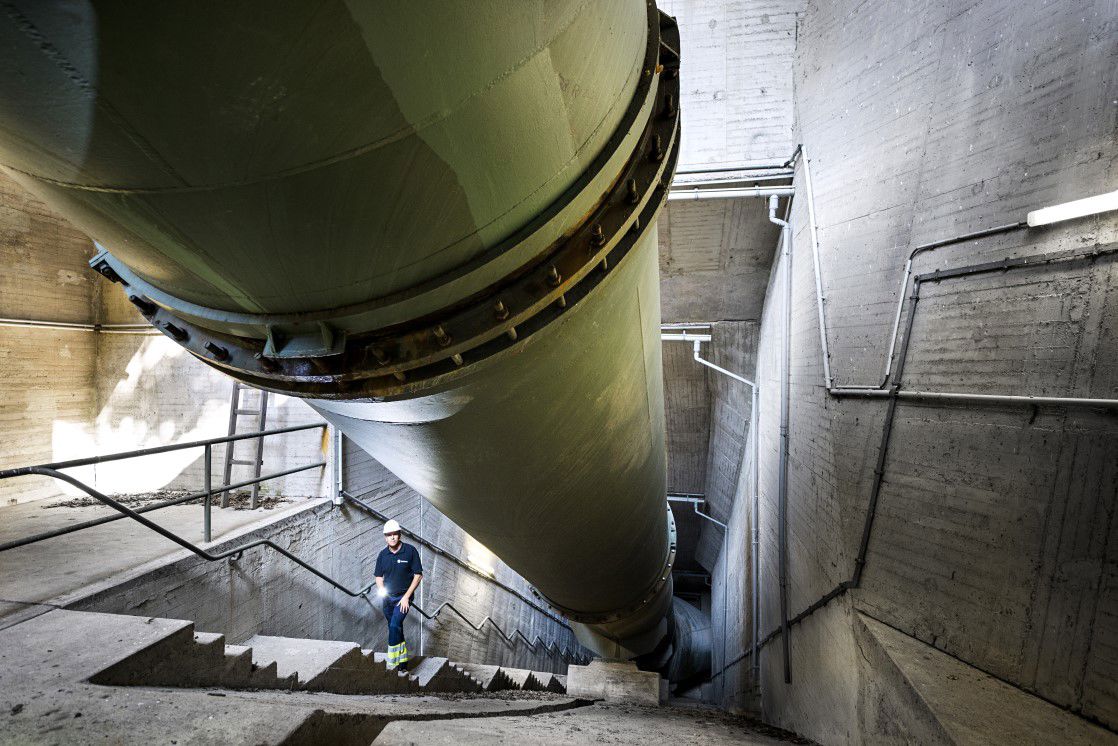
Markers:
(302, 158)
(551, 454)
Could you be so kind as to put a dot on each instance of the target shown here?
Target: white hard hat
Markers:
(391, 527)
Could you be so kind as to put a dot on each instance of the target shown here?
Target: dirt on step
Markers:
(237, 500)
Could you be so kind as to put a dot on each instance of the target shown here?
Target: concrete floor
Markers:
(46, 696)
(61, 570)
(597, 723)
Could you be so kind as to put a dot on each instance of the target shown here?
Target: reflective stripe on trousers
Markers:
(397, 648)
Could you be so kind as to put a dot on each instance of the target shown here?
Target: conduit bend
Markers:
(437, 229)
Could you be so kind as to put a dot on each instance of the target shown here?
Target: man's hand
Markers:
(404, 604)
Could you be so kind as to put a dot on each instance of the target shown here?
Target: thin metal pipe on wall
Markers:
(785, 409)
(144, 329)
(895, 393)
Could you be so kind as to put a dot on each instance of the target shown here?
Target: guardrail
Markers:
(236, 553)
(550, 648)
(206, 494)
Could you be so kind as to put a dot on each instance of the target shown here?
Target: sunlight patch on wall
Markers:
(480, 557)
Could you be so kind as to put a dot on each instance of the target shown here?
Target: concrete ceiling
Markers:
(715, 256)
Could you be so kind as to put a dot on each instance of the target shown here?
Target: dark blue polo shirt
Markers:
(398, 569)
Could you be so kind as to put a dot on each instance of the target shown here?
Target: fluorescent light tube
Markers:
(1077, 209)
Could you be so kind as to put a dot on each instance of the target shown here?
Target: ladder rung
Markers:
(242, 462)
(248, 411)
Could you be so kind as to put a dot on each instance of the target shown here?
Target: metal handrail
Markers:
(234, 553)
(206, 494)
(237, 552)
(364, 506)
(551, 647)
(90, 460)
(148, 508)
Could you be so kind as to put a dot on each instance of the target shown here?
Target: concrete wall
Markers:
(736, 80)
(46, 375)
(993, 540)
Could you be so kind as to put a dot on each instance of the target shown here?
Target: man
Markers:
(398, 572)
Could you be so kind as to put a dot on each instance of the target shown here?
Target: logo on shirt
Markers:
(401, 561)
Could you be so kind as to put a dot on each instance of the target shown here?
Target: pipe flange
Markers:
(402, 359)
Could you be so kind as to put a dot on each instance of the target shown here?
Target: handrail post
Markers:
(209, 493)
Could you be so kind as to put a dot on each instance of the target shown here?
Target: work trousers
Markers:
(397, 648)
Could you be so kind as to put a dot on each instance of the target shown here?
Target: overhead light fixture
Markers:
(1077, 209)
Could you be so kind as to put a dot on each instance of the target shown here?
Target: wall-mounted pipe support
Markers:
(695, 502)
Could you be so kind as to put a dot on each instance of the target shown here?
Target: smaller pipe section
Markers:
(730, 182)
(820, 300)
(755, 581)
(684, 336)
(339, 465)
(685, 497)
(723, 371)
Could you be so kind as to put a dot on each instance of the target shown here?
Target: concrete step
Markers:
(309, 661)
(550, 682)
(930, 697)
(393, 681)
(491, 678)
(183, 657)
(238, 666)
(413, 660)
(524, 679)
(435, 674)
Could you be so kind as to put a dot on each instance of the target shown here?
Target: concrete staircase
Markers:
(93, 678)
(186, 658)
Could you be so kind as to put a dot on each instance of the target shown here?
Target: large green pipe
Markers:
(437, 224)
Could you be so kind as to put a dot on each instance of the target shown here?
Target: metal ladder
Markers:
(257, 462)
